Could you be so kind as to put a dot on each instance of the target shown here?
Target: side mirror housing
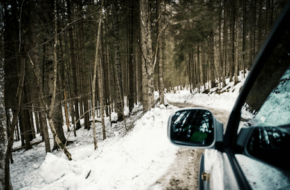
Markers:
(266, 144)
(195, 127)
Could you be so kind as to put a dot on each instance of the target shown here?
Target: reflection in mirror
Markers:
(270, 144)
(192, 127)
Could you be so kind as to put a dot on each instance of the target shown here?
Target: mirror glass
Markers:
(192, 127)
(270, 144)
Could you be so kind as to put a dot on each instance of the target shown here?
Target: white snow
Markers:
(224, 100)
(134, 161)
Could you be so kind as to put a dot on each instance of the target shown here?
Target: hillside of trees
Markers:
(87, 56)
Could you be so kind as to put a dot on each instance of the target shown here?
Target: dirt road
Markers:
(183, 173)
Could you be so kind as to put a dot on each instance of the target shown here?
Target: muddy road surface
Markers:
(183, 173)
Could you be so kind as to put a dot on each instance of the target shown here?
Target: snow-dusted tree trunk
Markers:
(95, 73)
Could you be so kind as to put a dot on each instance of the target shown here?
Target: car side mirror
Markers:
(195, 127)
(267, 144)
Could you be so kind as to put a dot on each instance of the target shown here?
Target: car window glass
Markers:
(268, 106)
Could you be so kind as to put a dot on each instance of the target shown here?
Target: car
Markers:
(252, 151)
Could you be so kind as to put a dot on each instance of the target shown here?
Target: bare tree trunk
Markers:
(260, 25)
(244, 38)
(25, 117)
(51, 111)
(5, 181)
(95, 73)
(109, 77)
(131, 58)
(106, 79)
(100, 65)
(41, 105)
(161, 51)
(197, 69)
(119, 103)
(63, 86)
(189, 72)
(148, 58)
(225, 44)
(201, 66)
(83, 68)
(237, 45)
(72, 54)
(14, 122)
(232, 36)
(222, 77)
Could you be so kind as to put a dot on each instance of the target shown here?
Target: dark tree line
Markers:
(219, 38)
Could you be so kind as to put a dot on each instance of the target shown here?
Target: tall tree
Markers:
(73, 62)
(95, 73)
(131, 58)
(119, 102)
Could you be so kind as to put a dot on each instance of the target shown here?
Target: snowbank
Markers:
(135, 161)
(224, 98)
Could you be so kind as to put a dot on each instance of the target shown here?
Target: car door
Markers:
(263, 102)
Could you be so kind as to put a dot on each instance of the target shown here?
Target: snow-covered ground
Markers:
(133, 161)
(224, 98)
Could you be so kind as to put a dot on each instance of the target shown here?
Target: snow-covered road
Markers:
(183, 173)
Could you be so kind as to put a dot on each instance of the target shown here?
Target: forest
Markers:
(62, 61)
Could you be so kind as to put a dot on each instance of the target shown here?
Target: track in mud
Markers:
(183, 173)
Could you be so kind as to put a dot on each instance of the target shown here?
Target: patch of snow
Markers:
(53, 168)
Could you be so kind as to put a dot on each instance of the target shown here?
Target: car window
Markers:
(268, 105)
